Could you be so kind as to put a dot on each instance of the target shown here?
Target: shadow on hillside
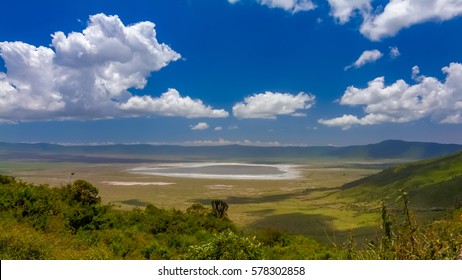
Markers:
(317, 226)
(253, 200)
(134, 202)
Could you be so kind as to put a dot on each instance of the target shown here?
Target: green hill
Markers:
(430, 184)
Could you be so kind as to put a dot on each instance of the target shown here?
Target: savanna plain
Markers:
(310, 204)
(326, 208)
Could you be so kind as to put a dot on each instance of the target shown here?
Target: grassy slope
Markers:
(434, 183)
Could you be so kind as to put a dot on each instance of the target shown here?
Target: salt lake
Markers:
(221, 170)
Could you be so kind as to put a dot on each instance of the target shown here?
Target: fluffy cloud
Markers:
(293, 6)
(343, 10)
(27, 91)
(395, 16)
(394, 52)
(172, 104)
(400, 14)
(200, 126)
(268, 105)
(377, 22)
(364, 58)
(88, 74)
(401, 102)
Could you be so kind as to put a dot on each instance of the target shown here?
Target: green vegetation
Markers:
(307, 205)
(71, 222)
(432, 185)
(403, 239)
(430, 193)
(227, 245)
(219, 208)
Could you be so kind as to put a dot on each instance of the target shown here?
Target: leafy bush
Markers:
(227, 245)
(272, 237)
(21, 242)
(83, 204)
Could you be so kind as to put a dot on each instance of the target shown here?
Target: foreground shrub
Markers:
(22, 242)
(227, 245)
(403, 238)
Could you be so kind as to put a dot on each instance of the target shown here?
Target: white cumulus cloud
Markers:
(400, 14)
(343, 10)
(27, 90)
(381, 22)
(200, 126)
(88, 74)
(293, 6)
(378, 22)
(366, 57)
(172, 104)
(268, 105)
(394, 52)
(440, 101)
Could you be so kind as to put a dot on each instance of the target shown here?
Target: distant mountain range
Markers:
(120, 153)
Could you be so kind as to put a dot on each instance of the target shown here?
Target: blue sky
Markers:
(259, 72)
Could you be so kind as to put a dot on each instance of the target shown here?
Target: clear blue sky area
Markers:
(256, 72)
